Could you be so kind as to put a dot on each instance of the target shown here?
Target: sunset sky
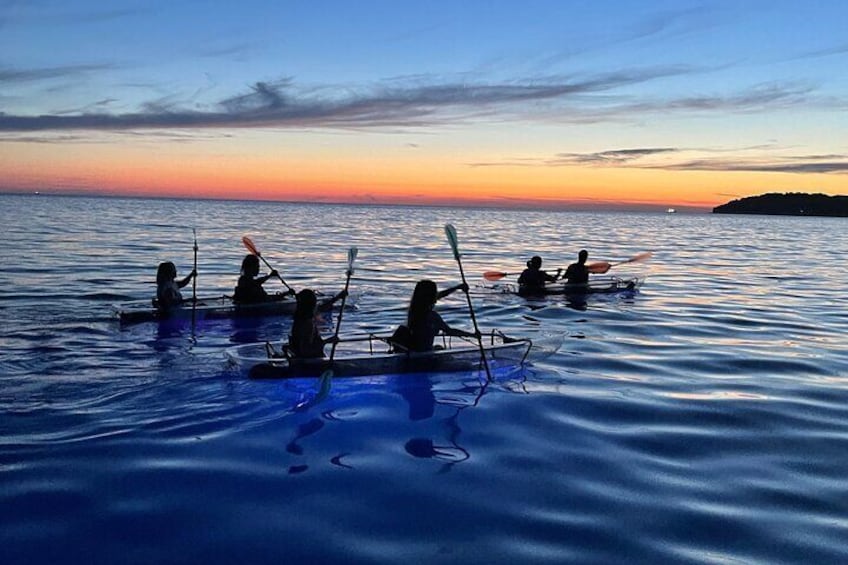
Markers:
(567, 104)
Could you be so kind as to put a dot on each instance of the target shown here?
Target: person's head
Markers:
(425, 293)
(250, 265)
(306, 304)
(535, 262)
(423, 299)
(582, 256)
(167, 271)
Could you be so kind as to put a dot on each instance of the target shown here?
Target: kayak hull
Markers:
(221, 307)
(599, 285)
(369, 356)
(212, 308)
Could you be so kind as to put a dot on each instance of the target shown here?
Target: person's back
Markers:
(305, 340)
(423, 331)
(578, 273)
(249, 288)
(249, 291)
(533, 278)
(167, 288)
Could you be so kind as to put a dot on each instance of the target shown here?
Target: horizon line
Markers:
(530, 205)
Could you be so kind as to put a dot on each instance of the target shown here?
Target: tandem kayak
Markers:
(371, 355)
(598, 285)
(219, 307)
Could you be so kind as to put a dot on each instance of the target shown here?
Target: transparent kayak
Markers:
(597, 285)
(371, 355)
(219, 307)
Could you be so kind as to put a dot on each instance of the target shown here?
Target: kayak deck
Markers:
(218, 307)
(140, 311)
(370, 355)
(599, 285)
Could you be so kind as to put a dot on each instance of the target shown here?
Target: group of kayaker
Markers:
(248, 289)
(423, 323)
(533, 278)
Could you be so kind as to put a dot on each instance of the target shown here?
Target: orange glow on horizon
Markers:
(401, 178)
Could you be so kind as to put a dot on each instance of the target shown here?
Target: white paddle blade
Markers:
(351, 257)
(450, 231)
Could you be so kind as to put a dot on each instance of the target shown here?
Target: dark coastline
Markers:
(788, 204)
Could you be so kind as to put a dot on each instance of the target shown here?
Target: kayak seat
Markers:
(274, 354)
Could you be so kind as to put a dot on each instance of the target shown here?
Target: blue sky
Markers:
(572, 80)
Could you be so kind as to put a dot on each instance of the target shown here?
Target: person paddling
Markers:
(249, 288)
(533, 278)
(305, 341)
(422, 322)
(578, 273)
(168, 287)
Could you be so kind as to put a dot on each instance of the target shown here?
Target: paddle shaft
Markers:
(452, 239)
(267, 264)
(341, 313)
(194, 278)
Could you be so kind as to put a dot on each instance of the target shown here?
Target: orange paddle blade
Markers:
(644, 256)
(249, 245)
(599, 268)
(494, 275)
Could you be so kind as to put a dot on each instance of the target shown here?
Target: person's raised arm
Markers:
(328, 305)
(448, 291)
(272, 274)
(187, 280)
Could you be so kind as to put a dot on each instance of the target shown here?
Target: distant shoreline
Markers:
(788, 204)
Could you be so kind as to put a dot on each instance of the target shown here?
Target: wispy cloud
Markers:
(10, 75)
(388, 104)
(675, 159)
(402, 103)
(614, 157)
(835, 50)
(783, 165)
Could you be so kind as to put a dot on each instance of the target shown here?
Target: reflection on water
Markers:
(422, 394)
(699, 419)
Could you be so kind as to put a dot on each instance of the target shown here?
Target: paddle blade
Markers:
(639, 257)
(324, 383)
(599, 268)
(351, 257)
(494, 275)
(450, 231)
(249, 245)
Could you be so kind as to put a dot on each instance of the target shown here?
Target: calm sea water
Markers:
(702, 420)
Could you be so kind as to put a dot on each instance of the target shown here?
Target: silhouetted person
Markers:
(577, 273)
(422, 322)
(249, 288)
(168, 287)
(305, 340)
(533, 278)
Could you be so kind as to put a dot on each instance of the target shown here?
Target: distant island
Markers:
(788, 204)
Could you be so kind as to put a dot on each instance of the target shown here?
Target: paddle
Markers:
(602, 267)
(252, 248)
(194, 283)
(194, 278)
(327, 376)
(496, 275)
(450, 232)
